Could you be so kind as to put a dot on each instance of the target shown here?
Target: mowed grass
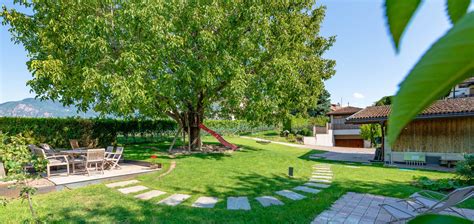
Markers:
(255, 170)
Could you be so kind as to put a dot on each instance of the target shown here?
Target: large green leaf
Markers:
(399, 13)
(457, 9)
(449, 61)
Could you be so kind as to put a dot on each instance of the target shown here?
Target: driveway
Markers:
(347, 154)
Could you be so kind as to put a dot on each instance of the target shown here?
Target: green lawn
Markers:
(272, 135)
(255, 170)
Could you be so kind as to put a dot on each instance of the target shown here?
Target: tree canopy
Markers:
(257, 61)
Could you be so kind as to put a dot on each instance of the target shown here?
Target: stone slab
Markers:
(174, 199)
(306, 189)
(353, 167)
(290, 194)
(205, 202)
(238, 203)
(150, 194)
(122, 183)
(320, 181)
(323, 171)
(269, 201)
(133, 189)
(321, 177)
(317, 185)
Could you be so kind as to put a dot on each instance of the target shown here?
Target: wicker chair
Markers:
(53, 160)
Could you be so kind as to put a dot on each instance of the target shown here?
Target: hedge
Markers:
(235, 127)
(89, 132)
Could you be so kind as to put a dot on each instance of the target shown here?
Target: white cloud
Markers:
(358, 95)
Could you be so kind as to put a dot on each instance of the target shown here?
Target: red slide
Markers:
(218, 137)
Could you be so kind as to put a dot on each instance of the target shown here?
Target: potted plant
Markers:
(154, 162)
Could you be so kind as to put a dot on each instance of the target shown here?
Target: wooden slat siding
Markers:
(453, 135)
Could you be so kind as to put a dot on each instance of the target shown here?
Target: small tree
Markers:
(371, 132)
(16, 156)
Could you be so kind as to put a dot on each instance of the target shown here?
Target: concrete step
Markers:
(174, 199)
(133, 189)
(238, 203)
(205, 202)
(122, 183)
(290, 194)
(150, 194)
(269, 201)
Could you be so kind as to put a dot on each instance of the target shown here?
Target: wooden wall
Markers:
(453, 135)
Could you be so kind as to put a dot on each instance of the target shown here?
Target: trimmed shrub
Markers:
(235, 127)
(89, 132)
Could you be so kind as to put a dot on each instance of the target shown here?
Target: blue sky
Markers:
(367, 65)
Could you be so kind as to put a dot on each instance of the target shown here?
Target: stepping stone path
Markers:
(238, 203)
(150, 194)
(269, 201)
(322, 175)
(290, 194)
(122, 183)
(321, 178)
(205, 202)
(174, 199)
(316, 185)
(133, 189)
(306, 189)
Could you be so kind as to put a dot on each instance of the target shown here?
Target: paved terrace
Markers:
(355, 208)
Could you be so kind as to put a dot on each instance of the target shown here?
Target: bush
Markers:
(465, 169)
(291, 138)
(305, 132)
(445, 184)
(90, 132)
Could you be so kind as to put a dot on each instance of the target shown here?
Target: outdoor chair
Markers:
(94, 158)
(113, 158)
(48, 149)
(53, 160)
(434, 202)
(75, 144)
(108, 151)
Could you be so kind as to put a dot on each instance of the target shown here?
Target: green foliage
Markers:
(319, 121)
(236, 127)
(16, 157)
(371, 132)
(465, 168)
(386, 100)
(445, 184)
(445, 64)
(399, 13)
(291, 137)
(93, 132)
(257, 60)
(457, 9)
(305, 132)
(436, 218)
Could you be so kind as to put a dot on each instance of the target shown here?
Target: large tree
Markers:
(257, 61)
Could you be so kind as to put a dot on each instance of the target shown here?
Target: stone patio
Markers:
(355, 208)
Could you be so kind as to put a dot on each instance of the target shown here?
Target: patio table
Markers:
(73, 152)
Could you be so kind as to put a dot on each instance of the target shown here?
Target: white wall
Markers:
(325, 139)
(347, 132)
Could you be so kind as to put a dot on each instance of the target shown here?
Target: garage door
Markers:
(355, 143)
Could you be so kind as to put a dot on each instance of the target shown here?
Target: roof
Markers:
(466, 83)
(345, 111)
(458, 107)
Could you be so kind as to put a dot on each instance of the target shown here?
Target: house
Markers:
(463, 89)
(337, 132)
(442, 133)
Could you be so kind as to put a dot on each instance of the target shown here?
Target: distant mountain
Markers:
(31, 107)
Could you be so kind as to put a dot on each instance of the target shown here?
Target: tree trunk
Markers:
(194, 119)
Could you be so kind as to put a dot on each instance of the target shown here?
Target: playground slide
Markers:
(218, 137)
